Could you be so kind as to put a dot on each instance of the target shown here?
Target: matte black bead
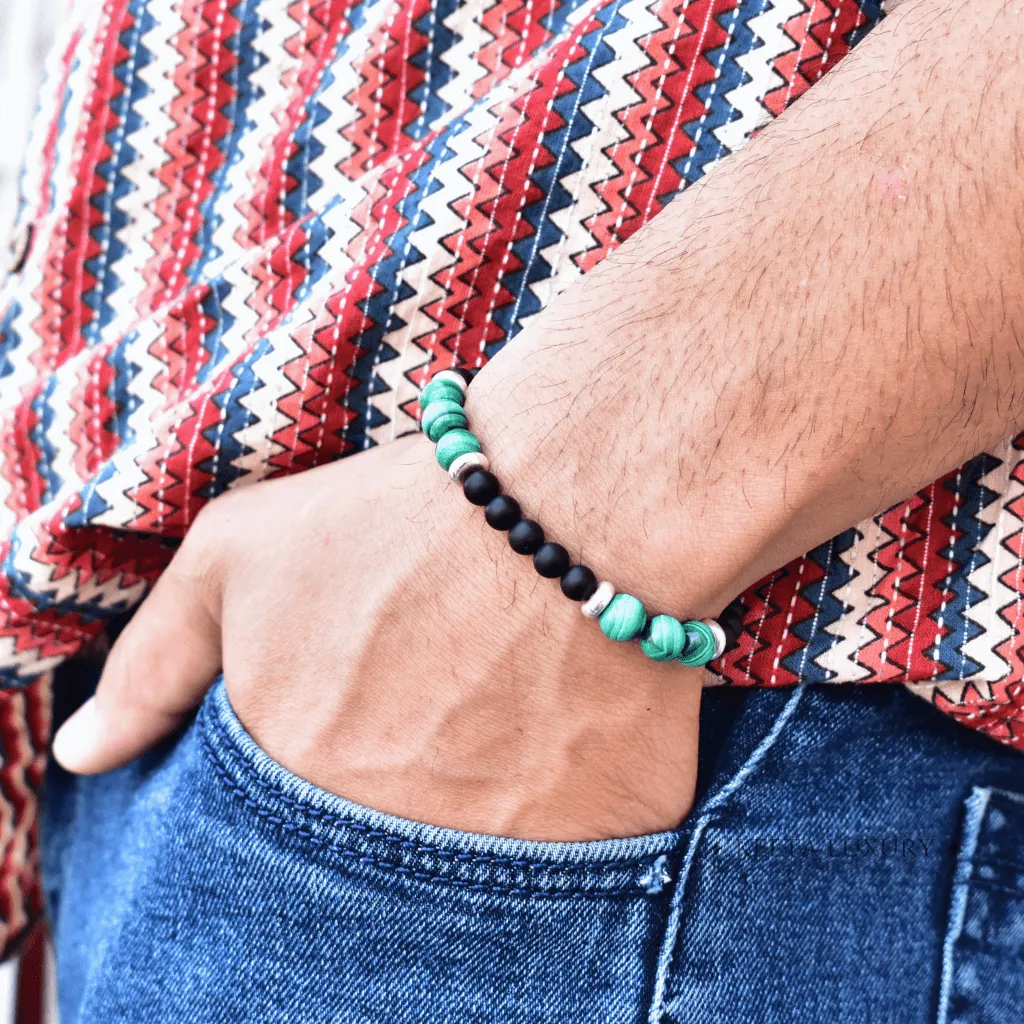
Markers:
(502, 512)
(525, 537)
(731, 621)
(551, 560)
(579, 583)
(466, 375)
(481, 487)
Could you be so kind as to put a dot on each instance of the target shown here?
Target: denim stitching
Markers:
(1008, 794)
(673, 925)
(631, 889)
(976, 809)
(400, 869)
(411, 844)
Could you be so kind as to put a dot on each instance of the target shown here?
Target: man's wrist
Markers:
(564, 446)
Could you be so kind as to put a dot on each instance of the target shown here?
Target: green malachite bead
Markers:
(665, 639)
(442, 415)
(624, 618)
(441, 389)
(700, 644)
(453, 444)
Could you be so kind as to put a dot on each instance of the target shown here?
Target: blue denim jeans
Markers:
(853, 856)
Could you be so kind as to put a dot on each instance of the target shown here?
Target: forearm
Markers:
(835, 318)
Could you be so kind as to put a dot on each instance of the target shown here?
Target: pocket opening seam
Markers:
(417, 847)
(361, 857)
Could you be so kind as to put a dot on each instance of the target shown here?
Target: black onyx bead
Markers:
(551, 560)
(466, 375)
(731, 621)
(579, 583)
(502, 512)
(525, 537)
(481, 487)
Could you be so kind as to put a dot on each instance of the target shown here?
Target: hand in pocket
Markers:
(381, 641)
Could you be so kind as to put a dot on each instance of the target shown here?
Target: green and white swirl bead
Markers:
(453, 444)
(442, 415)
(701, 644)
(665, 639)
(452, 377)
(442, 388)
(624, 618)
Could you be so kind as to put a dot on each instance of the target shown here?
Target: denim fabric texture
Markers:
(817, 880)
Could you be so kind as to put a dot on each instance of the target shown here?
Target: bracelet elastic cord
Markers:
(621, 617)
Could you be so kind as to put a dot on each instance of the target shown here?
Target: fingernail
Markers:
(75, 744)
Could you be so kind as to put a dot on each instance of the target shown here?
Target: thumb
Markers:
(156, 672)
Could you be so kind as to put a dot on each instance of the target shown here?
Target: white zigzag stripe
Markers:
(24, 289)
(849, 634)
(154, 124)
(466, 23)
(269, 98)
(25, 663)
(759, 64)
(994, 629)
(63, 406)
(104, 594)
(236, 300)
(347, 78)
(595, 149)
(264, 402)
(468, 147)
(65, 180)
(128, 475)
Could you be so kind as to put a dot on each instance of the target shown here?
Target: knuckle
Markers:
(201, 573)
(201, 560)
(211, 523)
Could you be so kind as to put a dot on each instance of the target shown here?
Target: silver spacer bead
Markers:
(453, 377)
(599, 600)
(720, 640)
(465, 464)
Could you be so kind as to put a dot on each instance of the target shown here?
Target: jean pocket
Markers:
(361, 837)
(983, 955)
(401, 921)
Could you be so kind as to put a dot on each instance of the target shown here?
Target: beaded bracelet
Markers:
(621, 617)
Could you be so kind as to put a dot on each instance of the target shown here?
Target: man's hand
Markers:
(833, 320)
(381, 641)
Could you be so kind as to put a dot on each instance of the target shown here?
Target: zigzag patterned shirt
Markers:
(250, 232)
